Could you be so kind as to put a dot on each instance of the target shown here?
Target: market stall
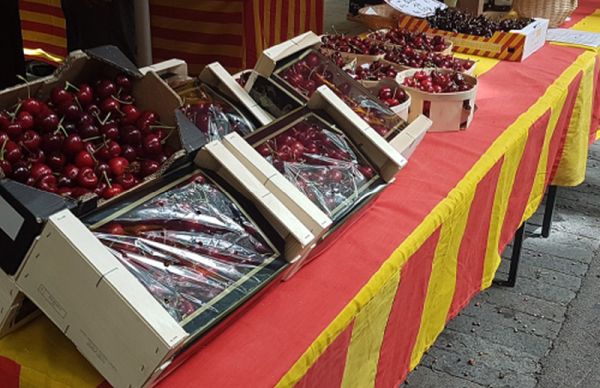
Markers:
(385, 283)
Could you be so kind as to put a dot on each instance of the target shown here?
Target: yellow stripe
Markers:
(312, 16)
(442, 282)
(204, 5)
(42, 18)
(44, 38)
(291, 16)
(367, 337)
(511, 139)
(267, 24)
(195, 26)
(259, 30)
(572, 167)
(197, 48)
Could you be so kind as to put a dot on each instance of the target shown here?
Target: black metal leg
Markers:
(549, 211)
(515, 258)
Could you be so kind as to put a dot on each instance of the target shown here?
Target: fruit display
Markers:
(438, 82)
(392, 96)
(312, 70)
(414, 40)
(188, 245)
(374, 71)
(273, 98)
(419, 59)
(85, 138)
(352, 44)
(455, 20)
(321, 162)
(211, 112)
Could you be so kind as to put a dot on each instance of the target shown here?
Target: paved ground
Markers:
(543, 333)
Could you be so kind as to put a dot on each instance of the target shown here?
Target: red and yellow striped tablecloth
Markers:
(233, 32)
(364, 312)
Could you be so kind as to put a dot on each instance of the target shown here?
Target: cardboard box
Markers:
(25, 209)
(15, 308)
(515, 45)
(112, 318)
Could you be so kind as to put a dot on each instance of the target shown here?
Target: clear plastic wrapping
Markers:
(212, 113)
(187, 245)
(312, 70)
(321, 163)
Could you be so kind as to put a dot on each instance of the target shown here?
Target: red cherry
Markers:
(111, 105)
(110, 130)
(71, 111)
(264, 150)
(85, 119)
(37, 156)
(6, 167)
(89, 131)
(105, 88)
(79, 191)
(131, 135)
(48, 183)
(149, 167)
(32, 106)
(71, 171)
(118, 165)
(127, 180)
(114, 149)
(367, 171)
(114, 228)
(20, 172)
(52, 142)
(60, 96)
(84, 159)
(98, 190)
(335, 176)
(56, 161)
(31, 140)
(64, 191)
(4, 120)
(14, 130)
(25, 119)
(103, 168)
(112, 191)
(64, 181)
(152, 144)
(73, 144)
(124, 83)
(130, 114)
(38, 170)
(48, 122)
(85, 95)
(12, 151)
(129, 153)
(87, 178)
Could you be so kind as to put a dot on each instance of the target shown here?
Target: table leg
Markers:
(549, 211)
(514, 259)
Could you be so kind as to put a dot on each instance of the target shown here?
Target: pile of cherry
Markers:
(455, 20)
(415, 40)
(392, 97)
(319, 162)
(352, 44)
(437, 82)
(420, 59)
(83, 139)
(375, 71)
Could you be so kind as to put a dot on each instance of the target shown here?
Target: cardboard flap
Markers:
(40, 204)
(113, 56)
(267, 62)
(191, 137)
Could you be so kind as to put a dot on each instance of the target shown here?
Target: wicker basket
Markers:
(557, 11)
(376, 17)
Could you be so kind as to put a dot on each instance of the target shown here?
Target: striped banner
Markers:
(43, 28)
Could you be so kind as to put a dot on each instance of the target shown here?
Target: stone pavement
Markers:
(545, 332)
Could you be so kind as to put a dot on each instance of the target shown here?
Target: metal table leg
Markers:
(549, 211)
(514, 259)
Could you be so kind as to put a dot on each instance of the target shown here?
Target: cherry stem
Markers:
(3, 149)
(70, 85)
(121, 101)
(19, 76)
(91, 138)
(106, 179)
(163, 141)
(161, 127)
(105, 120)
(78, 104)
(13, 115)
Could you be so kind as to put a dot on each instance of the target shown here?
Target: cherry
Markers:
(32, 106)
(56, 161)
(14, 130)
(127, 180)
(89, 131)
(64, 191)
(3, 137)
(111, 105)
(6, 167)
(48, 122)
(312, 60)
(79, 192)
(87, 178)
(25, 119)
(71, 111)
(112, 191)
(98, 190)
(60, 96)
(52, 142)
(131, 135)
(118, 165)
(93, 109)
(152, 144)
(48, 183)
(85, 119)
(114, 228)
(335, 175)
(149, 167)
(73, 144)
(12, 152)
(111, 130)
(124, 83)
(264, 150)
(385, 93)
(367, 171)
(129, 153)
(63, 181)
(147, 118)
(84, 159)
(114, 149)
(130, 114)
(4, 120)
(20, 172)
(70, 171)
(37, 156)
(85, 95)
(105, 88)
(38, 170)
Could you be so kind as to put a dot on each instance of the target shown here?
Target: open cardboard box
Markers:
(112, 318)
(25, 209)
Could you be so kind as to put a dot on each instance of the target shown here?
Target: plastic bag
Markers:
(321, 163)
(187, 245)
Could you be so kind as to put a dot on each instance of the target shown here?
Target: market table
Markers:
(364, 311)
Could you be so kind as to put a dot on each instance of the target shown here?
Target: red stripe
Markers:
(320, 10)
(272, 17)
(559, 136)
(524, 180)
(9, 373)
(473, 247)
(49, 48)
(306, 21)
(44, 28)
(199, 59)
(328, 369)
(405, 317)
(41, 8)
(249, 36)
(298, 7)
(596, 104)
(198, 16)
(285, 15)
(197, 37)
